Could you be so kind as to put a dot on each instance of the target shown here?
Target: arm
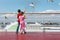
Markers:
(17, 16)
(24, 10)
(24, 17)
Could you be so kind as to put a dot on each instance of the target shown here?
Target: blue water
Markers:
(34, 18)
(43, 17)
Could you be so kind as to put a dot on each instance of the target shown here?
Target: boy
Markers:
(19, 13)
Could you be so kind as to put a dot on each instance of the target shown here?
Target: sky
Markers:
(39, 5)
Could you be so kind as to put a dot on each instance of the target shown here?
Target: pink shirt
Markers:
(21, 18)
(22, 23)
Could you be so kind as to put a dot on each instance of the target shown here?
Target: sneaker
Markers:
(16, 32)
(21, 33)
(24, 32)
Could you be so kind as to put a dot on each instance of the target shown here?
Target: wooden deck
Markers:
(30, 36)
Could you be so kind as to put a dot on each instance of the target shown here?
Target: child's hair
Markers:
(19, 10)
(22, 13)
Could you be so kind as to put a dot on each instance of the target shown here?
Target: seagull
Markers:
(32, 5)
(50, 0)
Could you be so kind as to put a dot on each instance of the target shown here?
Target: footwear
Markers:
(24, 32)
(16, 32)
(21, 33)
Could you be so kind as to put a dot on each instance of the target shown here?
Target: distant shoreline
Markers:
(30, 13)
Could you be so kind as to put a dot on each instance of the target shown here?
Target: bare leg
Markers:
(24, 31)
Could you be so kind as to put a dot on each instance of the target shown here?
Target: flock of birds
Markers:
(32, 3)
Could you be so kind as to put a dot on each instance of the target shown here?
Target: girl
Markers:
(22, 23)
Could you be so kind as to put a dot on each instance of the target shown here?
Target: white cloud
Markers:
(59, 4)
(47, 11)
(51, 11)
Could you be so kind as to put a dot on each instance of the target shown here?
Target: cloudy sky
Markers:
(39, 5)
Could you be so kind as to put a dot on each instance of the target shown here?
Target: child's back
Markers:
(22, 22)
(21, 18)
